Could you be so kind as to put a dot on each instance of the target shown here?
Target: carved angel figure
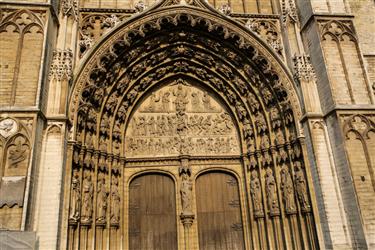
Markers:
(186, 191)
(17, 152)
(75, 197)
(87, 199)
(256, 194)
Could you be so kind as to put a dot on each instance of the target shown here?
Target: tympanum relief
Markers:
(181, 119)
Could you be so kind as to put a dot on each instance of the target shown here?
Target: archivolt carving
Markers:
(123, 38)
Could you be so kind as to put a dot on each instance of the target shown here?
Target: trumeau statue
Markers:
(87, 199)
(186, 194)
(75, 197)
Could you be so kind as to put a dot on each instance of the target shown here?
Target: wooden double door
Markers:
(153, 217)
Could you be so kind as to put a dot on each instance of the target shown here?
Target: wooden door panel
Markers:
(152, 213)
(219, 212)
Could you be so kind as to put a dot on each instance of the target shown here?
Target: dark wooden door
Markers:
(219, 212)
(152, 213)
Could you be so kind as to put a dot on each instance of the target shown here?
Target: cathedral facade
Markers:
(187, 124)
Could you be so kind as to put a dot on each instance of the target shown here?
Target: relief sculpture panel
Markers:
(180, 119)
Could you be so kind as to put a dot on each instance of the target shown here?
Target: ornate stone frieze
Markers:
(303, 68)
(268, 30)
(180, 119)
(62, 65)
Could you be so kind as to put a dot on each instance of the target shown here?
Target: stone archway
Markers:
(172, 49)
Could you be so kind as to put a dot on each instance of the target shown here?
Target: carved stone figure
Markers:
(75, 197)
(300, 184)
(102, 204)
(256, 194)
(186, 194)
(115, 202)
(271, 188)
(181, 101)
(17, 152)
(87, 199)
(287, 190)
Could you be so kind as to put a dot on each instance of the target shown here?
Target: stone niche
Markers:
(181, 119)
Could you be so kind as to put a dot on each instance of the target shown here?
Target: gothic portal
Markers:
(187, 124)
(181, 141)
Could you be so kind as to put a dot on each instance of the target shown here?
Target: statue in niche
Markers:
(87, 199)
(151, 126)
(271, 193)
(256, 194)
(206, 99)
(101, 197)
(287, 190)
(17, 152)
(182, 120)
(196, 101)
(300, 184)
(181, 101)
(165, 101)
(186, 194)
(75, 197)
(153, 102)
(115, 201)
(206, 124)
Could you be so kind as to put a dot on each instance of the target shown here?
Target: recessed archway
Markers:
(177, 53)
